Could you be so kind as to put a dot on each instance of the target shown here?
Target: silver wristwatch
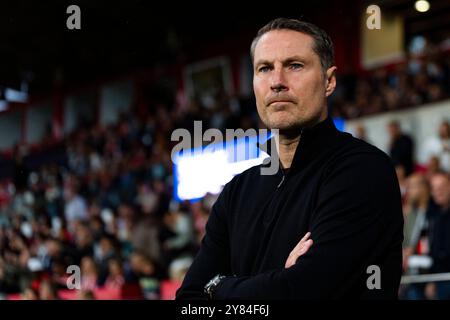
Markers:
(212, 285)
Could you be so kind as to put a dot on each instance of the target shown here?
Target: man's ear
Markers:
(330, 80)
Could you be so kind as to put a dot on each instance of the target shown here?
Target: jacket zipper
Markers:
(283, 178)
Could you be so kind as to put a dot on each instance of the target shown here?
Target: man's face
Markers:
(440, 187)
(394, 130)
(444, 131)
(416, 187)
(289, 83)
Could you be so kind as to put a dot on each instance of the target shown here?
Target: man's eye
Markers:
(296, 66)
(264, 69)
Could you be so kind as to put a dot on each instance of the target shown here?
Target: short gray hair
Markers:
(323, 46)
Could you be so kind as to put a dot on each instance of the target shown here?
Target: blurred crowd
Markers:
(425, 190)
(106, 205)
(107, 208)
(416, 81)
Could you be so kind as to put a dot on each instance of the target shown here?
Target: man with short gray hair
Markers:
(328, 224)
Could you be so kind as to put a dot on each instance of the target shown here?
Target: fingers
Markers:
(289, 262)
(305, 247)
(293, 257)
(300, 249)
(306, 236)
(302, 241)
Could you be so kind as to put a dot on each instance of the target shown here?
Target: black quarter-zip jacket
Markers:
(341, 189)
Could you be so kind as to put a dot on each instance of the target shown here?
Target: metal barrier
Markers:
(422, 278)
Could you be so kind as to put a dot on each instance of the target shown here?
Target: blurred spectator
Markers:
(51, 252)
(83, 240)
(146, 273)
(58, 275)
(89, 273)
(29, 294)
(440, 240)
(419, 211)
(115, 279)
(360, 133)
(179, 267)
(402, 180)
(75, 208)
(105, 253)
(180, 224)
(401, 147)
(145, 237)
(200, 214)
(439, 147)
(433, 166)
(20, 171)
(47, 291)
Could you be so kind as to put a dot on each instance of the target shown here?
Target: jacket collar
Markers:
(313, 141)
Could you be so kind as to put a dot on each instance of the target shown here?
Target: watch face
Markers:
(212, 283)
(209, 284)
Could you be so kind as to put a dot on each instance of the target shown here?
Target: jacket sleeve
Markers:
(213, 257)
(358, 212)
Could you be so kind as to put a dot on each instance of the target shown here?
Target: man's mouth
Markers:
(279, 100)
(282, 101)
(279, 103)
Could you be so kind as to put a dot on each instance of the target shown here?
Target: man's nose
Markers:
(278, 81)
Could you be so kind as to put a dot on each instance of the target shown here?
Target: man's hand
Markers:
(300, 249)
